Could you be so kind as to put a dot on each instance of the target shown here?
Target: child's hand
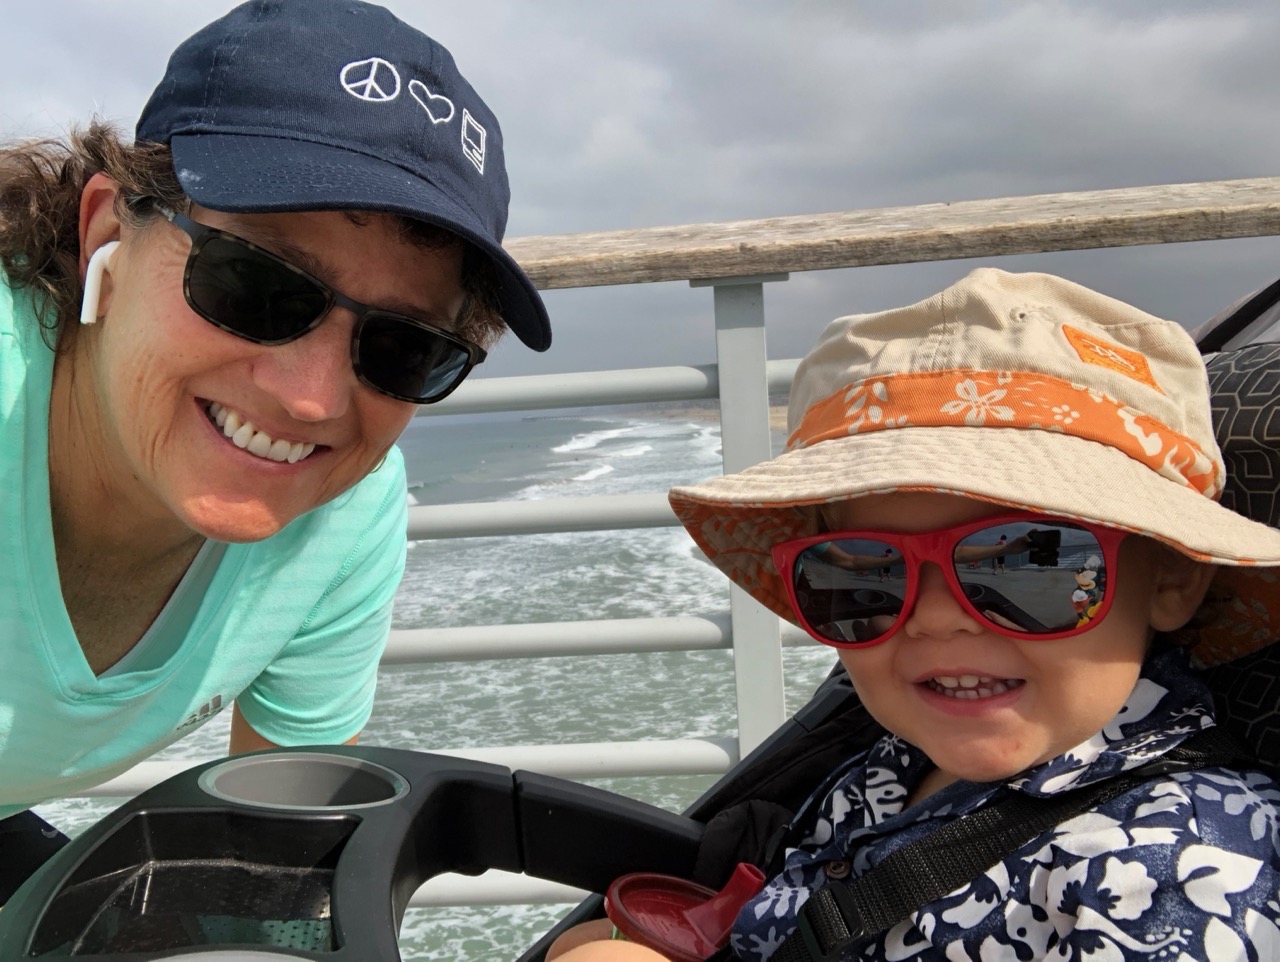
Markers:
(593, 942)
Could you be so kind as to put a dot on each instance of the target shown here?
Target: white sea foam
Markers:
(705, 442)
(585, 442)
(597, 472)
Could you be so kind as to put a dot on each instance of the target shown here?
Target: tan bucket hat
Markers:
(1025, 390)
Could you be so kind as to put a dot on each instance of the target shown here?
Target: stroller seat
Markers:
(1246, 417)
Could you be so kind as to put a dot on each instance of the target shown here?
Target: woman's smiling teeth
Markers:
(972, 686)
(243, 434)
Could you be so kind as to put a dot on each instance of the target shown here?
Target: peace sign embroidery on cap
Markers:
(373, 80)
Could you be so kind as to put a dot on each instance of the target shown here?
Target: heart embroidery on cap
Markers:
(438, 107)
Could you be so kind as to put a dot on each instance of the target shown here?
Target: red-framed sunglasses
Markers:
(1024, 575)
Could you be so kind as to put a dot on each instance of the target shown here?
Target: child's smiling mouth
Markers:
(971, 687)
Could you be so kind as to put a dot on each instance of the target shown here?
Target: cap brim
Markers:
(239, 173)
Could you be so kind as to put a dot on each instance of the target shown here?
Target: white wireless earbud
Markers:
(93, 281)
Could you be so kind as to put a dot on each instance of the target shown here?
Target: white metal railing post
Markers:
(745, 440)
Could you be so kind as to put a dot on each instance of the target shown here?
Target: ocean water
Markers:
(555, 577)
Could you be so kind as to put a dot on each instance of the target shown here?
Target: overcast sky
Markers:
(629, 114)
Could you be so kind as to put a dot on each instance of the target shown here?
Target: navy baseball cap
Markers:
(291, 105)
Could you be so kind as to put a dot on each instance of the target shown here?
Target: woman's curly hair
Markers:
(40, 186)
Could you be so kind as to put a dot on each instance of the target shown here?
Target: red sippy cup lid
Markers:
(682, 920)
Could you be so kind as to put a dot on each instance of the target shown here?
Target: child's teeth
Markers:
(969, 687)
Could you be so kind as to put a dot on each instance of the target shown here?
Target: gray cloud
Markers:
(631, 115)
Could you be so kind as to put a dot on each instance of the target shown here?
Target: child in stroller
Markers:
(931, 430)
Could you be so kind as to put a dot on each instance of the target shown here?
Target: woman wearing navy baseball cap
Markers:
(210, 339)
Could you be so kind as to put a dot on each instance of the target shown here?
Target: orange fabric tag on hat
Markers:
(1094, 350)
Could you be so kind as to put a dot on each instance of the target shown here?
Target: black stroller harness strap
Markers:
(926, 870)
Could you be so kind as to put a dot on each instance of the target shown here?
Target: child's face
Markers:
(1070, 687)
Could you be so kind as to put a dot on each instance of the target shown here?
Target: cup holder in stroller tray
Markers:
(302, 781)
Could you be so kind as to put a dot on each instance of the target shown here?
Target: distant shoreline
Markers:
(700, 411)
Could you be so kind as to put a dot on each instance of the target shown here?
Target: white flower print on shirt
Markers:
(1127, 887)
(1208, 875)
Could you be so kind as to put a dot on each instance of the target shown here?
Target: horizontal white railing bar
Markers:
(541, 516)
(548, 639)
(642, 385)
(897, 235)
(680, 756)
(494, 887)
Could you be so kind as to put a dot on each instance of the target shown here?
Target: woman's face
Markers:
(162, 377)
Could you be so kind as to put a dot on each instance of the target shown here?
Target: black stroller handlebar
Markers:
(313, 853)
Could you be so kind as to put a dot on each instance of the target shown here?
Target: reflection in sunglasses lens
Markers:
(1035, 577)
(407, 359)
(850, 590)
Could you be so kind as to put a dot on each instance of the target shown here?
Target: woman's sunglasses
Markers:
(1049, 577)
(253, 294)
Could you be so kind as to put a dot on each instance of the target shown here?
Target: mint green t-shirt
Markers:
(291, 627)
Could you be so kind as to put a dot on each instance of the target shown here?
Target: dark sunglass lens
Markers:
(1036, 577)
(250, 294)
(850, 591)
(407, 360)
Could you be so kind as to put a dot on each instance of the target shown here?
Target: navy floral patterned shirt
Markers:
(1185, 868)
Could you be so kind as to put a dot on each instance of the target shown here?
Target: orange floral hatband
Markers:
(1011, 399)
